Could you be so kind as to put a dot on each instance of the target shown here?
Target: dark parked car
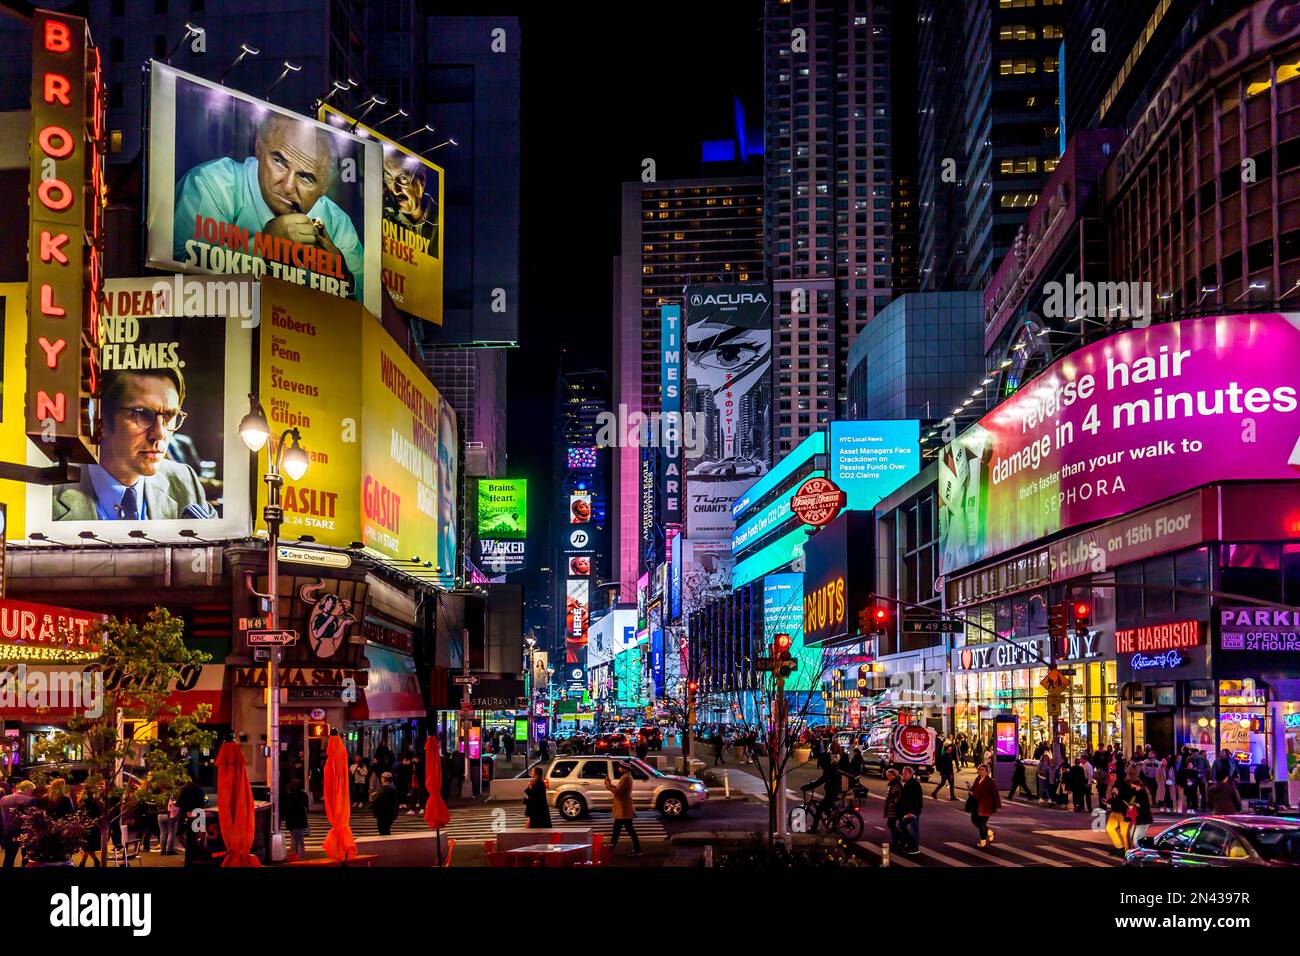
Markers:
(1228, 841)
(654, 739)
(616, 744)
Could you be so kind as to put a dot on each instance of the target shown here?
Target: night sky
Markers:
(599, 95)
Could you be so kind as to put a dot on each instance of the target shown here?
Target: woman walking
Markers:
(1139, 814)
(536, 808)
(983, 802)
(1118, 803)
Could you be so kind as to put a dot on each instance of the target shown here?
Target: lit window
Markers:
(1049, 64)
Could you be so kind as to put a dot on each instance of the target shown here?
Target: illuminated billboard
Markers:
(384, 446)
(870, 460)
(175, 359)
(503, 508)
(727, 388)
(582, 458)
(579, 508)
(237, 185)
(502, 526)
(577, 617)
(627, 678)
(412, 227)
(309, 375)
(409, 451)
(1120, 424)
(783, 599)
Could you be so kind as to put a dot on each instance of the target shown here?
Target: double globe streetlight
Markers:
(255, 431)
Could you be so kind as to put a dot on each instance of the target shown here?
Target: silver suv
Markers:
(577, 786)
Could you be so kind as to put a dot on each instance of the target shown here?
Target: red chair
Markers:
(500, 858)
(597, 850)
(451, 845)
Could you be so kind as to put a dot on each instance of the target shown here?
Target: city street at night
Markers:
(777, 450)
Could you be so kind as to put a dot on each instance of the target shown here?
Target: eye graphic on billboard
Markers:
(1121, 424)
(412, 224)
(170, 457)
(727, 387)
(237, 185)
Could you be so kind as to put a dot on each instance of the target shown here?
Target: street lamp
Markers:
(254, 430)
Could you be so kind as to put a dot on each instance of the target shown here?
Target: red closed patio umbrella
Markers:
(339, 844)
(435, 808)
(235, 806)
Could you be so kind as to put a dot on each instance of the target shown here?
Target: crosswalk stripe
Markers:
(942, 858)
(478, 823)
(1007, 848)
(895, 859)
(997, 860)
(1074, 856)
(1110, 860)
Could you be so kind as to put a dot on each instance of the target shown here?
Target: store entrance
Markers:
(1160, 732)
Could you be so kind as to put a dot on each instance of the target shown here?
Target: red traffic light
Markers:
(881, 615)
(694, 686)
(783, 642)
(1081, 611)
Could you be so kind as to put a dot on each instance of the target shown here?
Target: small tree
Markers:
(145, 659)
(773, 761)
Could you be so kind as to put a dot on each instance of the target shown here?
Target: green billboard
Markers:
(503, 509)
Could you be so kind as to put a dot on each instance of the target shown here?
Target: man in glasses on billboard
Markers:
(279, 191)
(134, 480)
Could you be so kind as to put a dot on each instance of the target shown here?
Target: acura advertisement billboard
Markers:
(727, 388)
(1121, 424)
(237, 185)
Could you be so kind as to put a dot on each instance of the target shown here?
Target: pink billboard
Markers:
(1121, 424)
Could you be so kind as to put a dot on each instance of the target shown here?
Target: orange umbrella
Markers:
(235, 806)
(339, 844)
(435, 808)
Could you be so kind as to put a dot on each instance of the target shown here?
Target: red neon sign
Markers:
(1159, 637)
(65, 276)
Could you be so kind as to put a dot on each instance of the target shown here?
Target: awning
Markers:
(55, 686)
(392, 690)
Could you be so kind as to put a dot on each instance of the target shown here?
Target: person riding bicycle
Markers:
(832, 785)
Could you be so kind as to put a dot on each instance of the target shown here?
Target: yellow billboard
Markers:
(309, 368)
(408, 456)
(411, 260)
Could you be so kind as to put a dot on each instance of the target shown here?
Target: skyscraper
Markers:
(989, 129)
(838, 204)
(674, 233)
(580, 397)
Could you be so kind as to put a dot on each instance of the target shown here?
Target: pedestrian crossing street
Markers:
(479, 823)
(954, 854)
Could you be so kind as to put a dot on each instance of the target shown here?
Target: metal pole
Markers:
(273, 516)
(776, 762)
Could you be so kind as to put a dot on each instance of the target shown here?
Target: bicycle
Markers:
(844, 820)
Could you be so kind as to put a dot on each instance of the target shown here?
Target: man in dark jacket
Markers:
(386, 805)
(892, 793)
(1223, 796)
(910, 803)
(945, 764)
(1223, 766)
(829, 781)
(191, 801)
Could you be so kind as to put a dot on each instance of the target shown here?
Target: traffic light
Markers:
(880, 619)
(693, 686)
(1058, 626)
(1082, 617)
(864, 621)
(782, 664)
(318, 730)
